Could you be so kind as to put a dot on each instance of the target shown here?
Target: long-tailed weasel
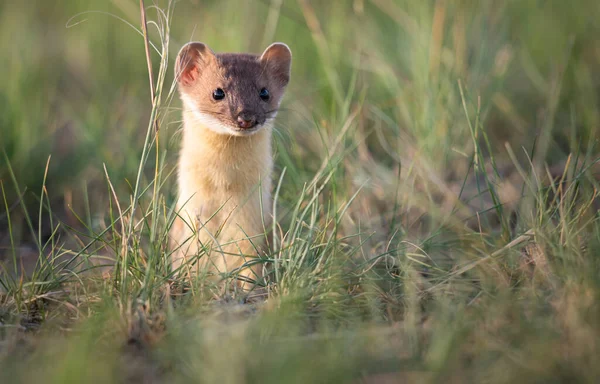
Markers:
(225, 163)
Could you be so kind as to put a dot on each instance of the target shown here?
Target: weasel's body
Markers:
(223, 183)
(225, 163)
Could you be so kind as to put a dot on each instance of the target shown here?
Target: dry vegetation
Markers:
(436, 195)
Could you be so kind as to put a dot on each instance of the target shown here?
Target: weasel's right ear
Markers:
(191, 59)
(278, 59)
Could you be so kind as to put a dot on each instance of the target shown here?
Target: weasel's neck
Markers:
(200, 142)
(219, 166)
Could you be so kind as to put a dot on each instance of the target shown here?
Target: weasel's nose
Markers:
(245, 121)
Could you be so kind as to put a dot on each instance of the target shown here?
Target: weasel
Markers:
(230, 101)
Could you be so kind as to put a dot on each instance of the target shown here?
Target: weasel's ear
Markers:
(278, 60)
(191, 59)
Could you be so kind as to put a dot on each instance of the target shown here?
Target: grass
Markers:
(435, 195)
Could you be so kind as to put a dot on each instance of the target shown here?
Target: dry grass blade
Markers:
(527, 236)
(148, 58)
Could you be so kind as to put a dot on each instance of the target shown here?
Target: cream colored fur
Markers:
(224, 198)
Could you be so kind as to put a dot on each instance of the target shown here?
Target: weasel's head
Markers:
(233, 93)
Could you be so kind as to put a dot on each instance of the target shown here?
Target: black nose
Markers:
(246, 121)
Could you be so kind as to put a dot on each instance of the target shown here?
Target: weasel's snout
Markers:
(246, 120)
(243, 123)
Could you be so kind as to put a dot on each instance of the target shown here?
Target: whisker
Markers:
(212, 112)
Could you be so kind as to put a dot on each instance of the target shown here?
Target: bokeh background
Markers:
(76, 87)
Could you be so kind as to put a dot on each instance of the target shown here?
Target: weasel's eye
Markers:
(264, 94)
(218, 94)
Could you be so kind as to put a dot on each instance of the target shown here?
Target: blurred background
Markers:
(74, 86)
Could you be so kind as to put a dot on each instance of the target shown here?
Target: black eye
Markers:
(264, 94)
(218, 94)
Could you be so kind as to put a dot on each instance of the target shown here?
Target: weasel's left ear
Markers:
(192, 59)
(278, 60)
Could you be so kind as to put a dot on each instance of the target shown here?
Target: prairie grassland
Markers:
(435, 195)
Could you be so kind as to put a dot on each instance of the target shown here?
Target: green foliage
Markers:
(435, 202)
